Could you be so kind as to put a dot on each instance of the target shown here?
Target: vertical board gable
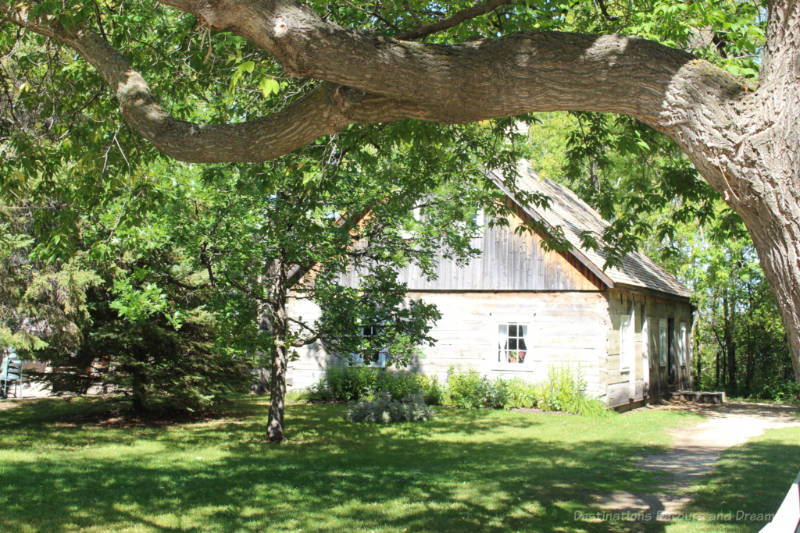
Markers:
(510, 260)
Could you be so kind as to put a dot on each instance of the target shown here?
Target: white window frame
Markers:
(501, 356)
(383, 354)
(663, 342)
(627, 340)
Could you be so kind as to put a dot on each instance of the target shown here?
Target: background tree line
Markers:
(655, 200)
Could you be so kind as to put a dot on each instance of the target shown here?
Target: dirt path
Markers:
(695, 451)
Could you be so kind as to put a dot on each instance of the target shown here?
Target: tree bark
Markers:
(138, 391)
(750, 362)
(743, 142)
(275, 424)
(730, 341)
(275, 320)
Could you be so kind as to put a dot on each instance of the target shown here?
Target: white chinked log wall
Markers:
(573, 318)
(564, 329)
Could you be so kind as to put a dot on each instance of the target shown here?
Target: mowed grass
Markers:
(463, 471)
(750, 481)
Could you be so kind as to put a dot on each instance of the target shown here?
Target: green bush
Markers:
(564, 389)
(344, 384)
(592, 407)
(520, 395)
(466, 389)
(781, 391)
(434, 392)
(385, 410)
(496, 393)
(355, 383)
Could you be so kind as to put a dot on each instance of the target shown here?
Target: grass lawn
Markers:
(749, 480)
(463, 471)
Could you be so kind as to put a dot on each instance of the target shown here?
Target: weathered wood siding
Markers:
(659, 309)
(573, 319)
(564, 329)
(310, 361)
(510, 260)
(649, 376)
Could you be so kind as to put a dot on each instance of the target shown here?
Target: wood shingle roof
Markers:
(574, 216)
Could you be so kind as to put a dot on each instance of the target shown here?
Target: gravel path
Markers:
(695, 451)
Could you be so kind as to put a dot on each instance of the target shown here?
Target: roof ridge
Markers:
(574, 216)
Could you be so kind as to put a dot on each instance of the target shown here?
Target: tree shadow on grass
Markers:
(445, 475)
(749, 482)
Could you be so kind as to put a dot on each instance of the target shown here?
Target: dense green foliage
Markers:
(355, 383)
(122, 310)
(173, 245)
(564, 389)
(105, 212)
(740, 340)
(469, 390)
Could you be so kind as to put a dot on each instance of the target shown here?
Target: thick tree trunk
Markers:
(730, 341)
(138, 392)
(779, 255)
(275, 319)
(275, 424)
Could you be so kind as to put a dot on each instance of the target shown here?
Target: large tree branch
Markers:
(686, 98)
(449, 22)
(472, 81)
(323, 111)
(374, 79)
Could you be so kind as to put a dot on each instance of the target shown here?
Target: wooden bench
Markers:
(700, 396)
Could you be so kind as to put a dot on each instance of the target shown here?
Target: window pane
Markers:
(511, 344)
